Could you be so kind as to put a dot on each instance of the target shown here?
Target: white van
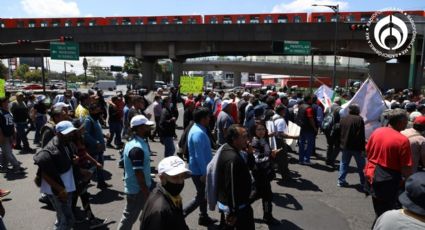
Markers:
(105, 85)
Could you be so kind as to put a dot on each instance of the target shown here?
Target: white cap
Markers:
(225, 103)
(159, 89)
(140, 120)
(269, 92)
(246, 94)
(172, 166)
(61, 105)
(65, 127)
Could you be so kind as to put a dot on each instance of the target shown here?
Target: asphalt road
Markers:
(309, 200)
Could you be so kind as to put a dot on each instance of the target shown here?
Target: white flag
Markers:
(325, 96)
(371, 104)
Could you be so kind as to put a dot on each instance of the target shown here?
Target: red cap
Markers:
(420, 120)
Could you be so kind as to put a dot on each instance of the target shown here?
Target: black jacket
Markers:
(160, 213)
(233, 179)
(352, 133)
(167, 128)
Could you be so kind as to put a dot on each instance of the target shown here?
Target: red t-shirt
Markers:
(309, 112)
(387, 148)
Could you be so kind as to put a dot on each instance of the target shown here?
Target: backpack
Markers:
(328, 123)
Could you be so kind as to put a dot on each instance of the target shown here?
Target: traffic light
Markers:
(65, 38)
(358, 27)
(21, 42)
(115, 68)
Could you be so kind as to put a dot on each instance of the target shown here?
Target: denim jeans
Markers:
(199, 200)
(306, 144)
(21, 135)
(132, 209)
(168, 143)
(2, 227)
(345, 162)
(7, 154)
(40, 121)
(115, 128)
(64, 217)
(99, 172)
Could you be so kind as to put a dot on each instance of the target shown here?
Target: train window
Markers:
(113, 22)
(282, 19)
(31, 24)
(254, 20)
(126, 22)
(2, 25)
(334, 18)
(80, 23)
(227, 20)
(92, 22)
(44, 24)
(56, 24)
(20, 24)
(164, 21)
(68, 24)
(191, 21)
(364, 18)
(349, 18)
(321, 19)
(268, 19)
(241, 20)
(213, 20)
(152, 21)
(139, 22)
(297, 19)
(178, 20)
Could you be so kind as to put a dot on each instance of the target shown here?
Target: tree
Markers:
(20, 72)
(33, 75)
(132, 65)
(3, 70)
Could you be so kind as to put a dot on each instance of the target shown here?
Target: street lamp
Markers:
(64, 67)
(335, 8)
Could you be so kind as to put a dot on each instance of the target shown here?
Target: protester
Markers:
(417, 142)
(40, 113)
(7, 133)
(21, 117)
(58, 181)
(157, 110)
(306, 120)
(242, 105)
(163, 209)
(82, 110)
(199, 156)
(412, 215)
(352, 144)
(234, 181)
(115, 116)
(224, 121)
(137, 177)
(263, 171)
(126, 122)
(331, 129)
(188, 113)
(389, 160)
(167, 125)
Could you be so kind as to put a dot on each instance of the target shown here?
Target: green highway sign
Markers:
(296, 47)
(64, 51)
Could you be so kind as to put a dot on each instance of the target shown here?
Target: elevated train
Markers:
(315, 17)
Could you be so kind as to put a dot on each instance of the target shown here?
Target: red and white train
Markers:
(192, 19)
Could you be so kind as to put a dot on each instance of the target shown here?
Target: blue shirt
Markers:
(92, 134)
(136, 157)
(199, 146)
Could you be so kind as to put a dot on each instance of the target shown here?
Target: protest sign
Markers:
(191, 84)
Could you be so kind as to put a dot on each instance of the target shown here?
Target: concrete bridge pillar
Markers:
(237, 79)
(177, 71)
(148, 77)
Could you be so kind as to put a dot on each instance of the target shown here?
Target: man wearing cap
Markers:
(417, 142)
(21, 117)
(224, 121)
(137, 178)
(66, 98)
(200, 155)
(412, 215)
(163, 209)
(56, 174)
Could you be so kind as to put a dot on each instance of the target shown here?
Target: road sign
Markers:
(296, 47)
(64, 51)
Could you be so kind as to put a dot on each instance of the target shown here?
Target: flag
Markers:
(371, 103)
(325, 95)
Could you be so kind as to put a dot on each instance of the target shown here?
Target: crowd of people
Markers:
(234, 143)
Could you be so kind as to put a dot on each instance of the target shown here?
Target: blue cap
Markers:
(65, 127)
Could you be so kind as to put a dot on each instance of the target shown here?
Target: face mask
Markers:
(173, 189)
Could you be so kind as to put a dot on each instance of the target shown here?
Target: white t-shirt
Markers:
(395, 220)
(67, 180)
(281, 125)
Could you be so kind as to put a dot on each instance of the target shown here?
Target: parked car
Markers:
(32, 87)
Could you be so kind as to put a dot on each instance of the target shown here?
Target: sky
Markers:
(88, 8)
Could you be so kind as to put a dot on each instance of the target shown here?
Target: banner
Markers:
(293, 130)
(371, 104)
(2, 88)
(193, 85)
(325, 96)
